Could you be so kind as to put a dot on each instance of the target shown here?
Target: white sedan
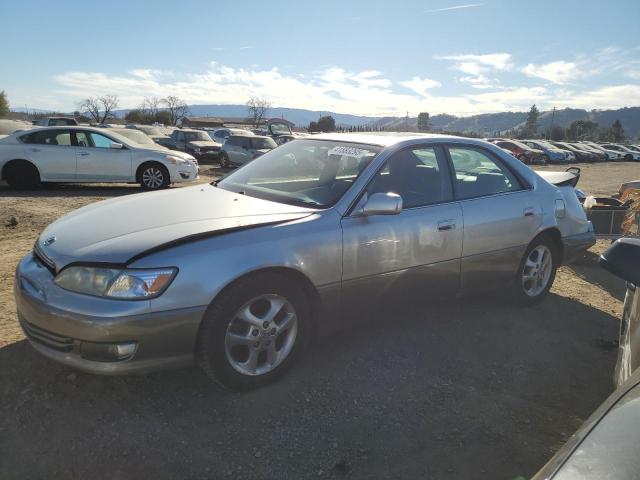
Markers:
(85, 154)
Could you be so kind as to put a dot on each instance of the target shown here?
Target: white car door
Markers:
(99, 162)
(52, 152)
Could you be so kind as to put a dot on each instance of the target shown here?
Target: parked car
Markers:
(629, 154)
(612, 155)
(155, 133)
(241, 149)
(606, 446)
(195, 142)
(239, 274)
(523, 152)
(600, 156)
(220, 135)
(581, 155)
(552, 153)
(87, 154)
(56, 122)
(623, 260)
(140, 138)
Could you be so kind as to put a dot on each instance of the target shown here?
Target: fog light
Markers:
(107, 352)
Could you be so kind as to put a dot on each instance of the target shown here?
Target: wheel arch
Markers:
(18, 160)
(147, 163)
(553, 233)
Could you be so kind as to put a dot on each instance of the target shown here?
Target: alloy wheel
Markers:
(537, 271)
(152, 177)
(261, 335)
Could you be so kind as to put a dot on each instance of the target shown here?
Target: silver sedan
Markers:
(317, 234)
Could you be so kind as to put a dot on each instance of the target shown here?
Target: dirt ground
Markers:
(475, 388)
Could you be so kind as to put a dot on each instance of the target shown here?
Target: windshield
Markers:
(262, 143)
(151, 130)
(135, 136)
(279, 128)
(197, 137)
(313, 173)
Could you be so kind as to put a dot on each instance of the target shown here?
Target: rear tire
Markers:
(242, 355)
(537, 271)
(21, 174)
(153, 176)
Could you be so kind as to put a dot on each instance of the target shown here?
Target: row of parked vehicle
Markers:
(541, 152)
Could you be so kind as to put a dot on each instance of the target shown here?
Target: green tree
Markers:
(135, 116)
(163, 117)
(4, 104)
(556, 133)
(313, 127)
(531, 125)
(327, 124)
(424, 122)
(617, 132)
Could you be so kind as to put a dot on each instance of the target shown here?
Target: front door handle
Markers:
(529, 211)
(446, 225)
(84, 154)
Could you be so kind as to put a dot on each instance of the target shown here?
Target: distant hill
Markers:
(484, 124)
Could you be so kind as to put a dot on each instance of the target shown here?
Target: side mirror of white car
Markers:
(115, 145)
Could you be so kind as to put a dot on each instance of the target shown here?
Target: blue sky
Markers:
(364, 57)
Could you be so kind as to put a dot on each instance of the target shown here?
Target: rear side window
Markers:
(260, 143)
(48, 137)
(478, 174)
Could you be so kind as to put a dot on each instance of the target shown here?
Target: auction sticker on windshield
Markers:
(349, 151)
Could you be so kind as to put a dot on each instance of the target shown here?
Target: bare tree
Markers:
(177, 108)
(258, 108)
(150, 107)
(100, 108)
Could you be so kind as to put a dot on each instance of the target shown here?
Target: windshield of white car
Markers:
(197, 137)
(309, 173)
(151, 131)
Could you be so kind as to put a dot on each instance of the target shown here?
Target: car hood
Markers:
(116, 230)
(203, 143)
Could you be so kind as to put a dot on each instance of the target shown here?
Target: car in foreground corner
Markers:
(238, 275)
(85, 154)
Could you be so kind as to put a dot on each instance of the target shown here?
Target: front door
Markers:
(98, 162)
(501, 217)
(414, 255)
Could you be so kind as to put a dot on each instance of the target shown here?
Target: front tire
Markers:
(22, 175)
(253, 332)
(537, 271)
(153, 176)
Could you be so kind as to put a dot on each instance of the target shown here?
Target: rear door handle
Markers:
(529, 211)
(84, 154)
(445, 225)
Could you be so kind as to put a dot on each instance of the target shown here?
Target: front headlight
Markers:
(175, 160)
(127, 284)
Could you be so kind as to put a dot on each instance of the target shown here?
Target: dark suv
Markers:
(194, 142)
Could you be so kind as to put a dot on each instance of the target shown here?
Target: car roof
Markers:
(387, 139)
(250, 135)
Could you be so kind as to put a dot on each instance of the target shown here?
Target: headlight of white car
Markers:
(126, 284)
(175, 159)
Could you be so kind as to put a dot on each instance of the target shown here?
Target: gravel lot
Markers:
(474, 388)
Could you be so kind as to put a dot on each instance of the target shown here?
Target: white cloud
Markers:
(559, 72)
(455, 7)
(420, 85)
(607, 97)
(476, 67)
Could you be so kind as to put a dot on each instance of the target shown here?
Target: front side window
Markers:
(48, 137)
(417, 175)
(478, 173)
(100, 141)
(83, 139)
(313, 173)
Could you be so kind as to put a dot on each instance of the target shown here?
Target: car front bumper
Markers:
(66, 326)
(575, 245)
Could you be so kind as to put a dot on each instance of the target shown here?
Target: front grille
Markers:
(52, 340)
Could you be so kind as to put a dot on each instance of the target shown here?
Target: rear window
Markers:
(262, 143)
(47, 137)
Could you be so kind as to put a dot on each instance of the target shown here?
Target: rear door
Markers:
(240, 150)
(98, 162)
(501, 217)
(52, 152)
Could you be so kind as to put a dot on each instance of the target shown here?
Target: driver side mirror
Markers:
(381, 204)
(115, 145)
